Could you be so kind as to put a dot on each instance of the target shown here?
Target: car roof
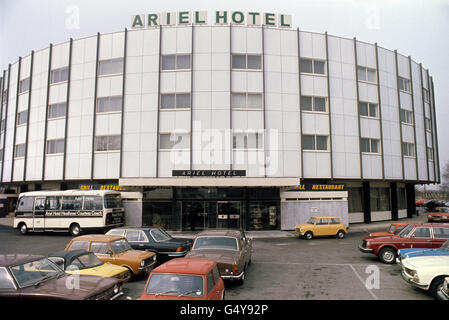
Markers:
(187, 266)
(325, 217)
(70, 255)
(14, 259)
(97, 237)
(220, 232)
(135, 228)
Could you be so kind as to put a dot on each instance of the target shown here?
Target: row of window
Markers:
(61, 203)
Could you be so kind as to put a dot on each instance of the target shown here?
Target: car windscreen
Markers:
(35, 272)
(226, 243)
(112, 201)
(311, 221)
(391, 229)
(405, 231)
(120, 246)
(160, 235)
(85, 261)
(175, 284)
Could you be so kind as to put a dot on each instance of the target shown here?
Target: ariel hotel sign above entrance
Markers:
(220, 18)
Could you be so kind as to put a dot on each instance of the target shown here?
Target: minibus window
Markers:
(26, 203)
(93, 203)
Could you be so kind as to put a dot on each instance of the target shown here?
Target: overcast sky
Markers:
(418, 28)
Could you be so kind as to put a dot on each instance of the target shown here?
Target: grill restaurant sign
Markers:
(220, 18)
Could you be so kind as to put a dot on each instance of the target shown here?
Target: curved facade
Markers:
(275, 106)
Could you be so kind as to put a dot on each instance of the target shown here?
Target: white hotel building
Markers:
(269, 108)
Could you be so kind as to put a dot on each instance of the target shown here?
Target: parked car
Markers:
(115, 250)
(321, 226)
(25, 276)
(155, 240)
(185, 279)
(427, 273)
(231, 249)
(439, 214)
(443, 294)
(85, 262)
(394, 228)
(418, 252)
(420, 235)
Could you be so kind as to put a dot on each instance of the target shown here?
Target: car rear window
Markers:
(215, 243)
(175, 284)
(441, 232)
(79, 245)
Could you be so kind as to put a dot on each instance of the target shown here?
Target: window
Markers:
(26, 203)
(316, 104)
(6, 282)
(53, 203)
(368, 109)
(216, 274)
(84, 245)
(72, 203)
(109, 104)
(59, 75)
(370, 145)
(93, 203)
(24, 85)
(441, 232)
(247, 140)
(404, 84)
(421, 233)
(366, 74)
(175, 100)
(57, 110)
(402, 199)
(210, 282)
(22, 117)
(99, 247)
(169, 141)
(408, 149)
(112, 66)
(428, 124)
(406, 116)
(334, 221)
(430, 154)
(19, 150)
(323, 222)
(176, 62)
(313, 142)
(312, 66)
(426, 95)
(380, 199)
(120, 233)
(132, 235)
(2, 125)
(55, 146)
(107, 143)
(246, 61)
(39, 204)
(246, 100)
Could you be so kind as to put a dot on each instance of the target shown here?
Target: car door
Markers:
(133, 237)
(244, 248)
(334, 225)
(102, 251)
(218, 284)
(421, 238)
(321, 227)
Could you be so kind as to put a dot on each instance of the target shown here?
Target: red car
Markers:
(439, 214)
(422, 235)
(185, 279)
(395, 228)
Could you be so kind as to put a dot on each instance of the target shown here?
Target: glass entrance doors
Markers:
(200, 215)
(228, 214)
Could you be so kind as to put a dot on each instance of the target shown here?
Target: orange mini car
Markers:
(185, 279)
(394, 228)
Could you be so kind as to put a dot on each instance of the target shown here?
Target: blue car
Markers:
(420, 252)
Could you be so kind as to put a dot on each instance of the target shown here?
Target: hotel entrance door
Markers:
(228, 214)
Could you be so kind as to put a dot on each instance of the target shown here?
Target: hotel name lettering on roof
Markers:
(220, 18)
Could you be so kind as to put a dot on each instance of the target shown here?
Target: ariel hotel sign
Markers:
(219, 17)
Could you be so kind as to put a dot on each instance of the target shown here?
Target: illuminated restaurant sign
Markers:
(321, 187)
(101, 187)
(220, 18)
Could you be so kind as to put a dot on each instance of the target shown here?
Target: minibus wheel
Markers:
(23, 228)
(74, 229)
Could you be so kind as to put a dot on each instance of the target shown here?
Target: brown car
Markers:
(25, 276)
(231, 249)
(115, 250)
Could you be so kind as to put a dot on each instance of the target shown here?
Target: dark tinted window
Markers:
(334, 221)
(441, 232)
(72, 203)
(216, 275)
(210, 282)
(93, 203)
(422, 233)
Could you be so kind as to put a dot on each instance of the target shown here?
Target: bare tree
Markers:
(444, 186)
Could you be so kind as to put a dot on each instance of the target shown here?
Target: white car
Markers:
(426, 273)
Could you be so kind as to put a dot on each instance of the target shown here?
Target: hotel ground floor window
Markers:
(355, 200)
(380, 199)
(402, 199)
(263, 215)
(160, 214)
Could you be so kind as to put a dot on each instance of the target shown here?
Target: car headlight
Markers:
(154, 258)
(142, 263)
(367, 244)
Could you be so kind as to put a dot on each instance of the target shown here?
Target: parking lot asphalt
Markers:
(282, 268)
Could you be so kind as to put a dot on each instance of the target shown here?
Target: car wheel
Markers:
(308, 235)
(340, 234)
(435, 286)
(387, 255)
(23, 228)
(74, 229)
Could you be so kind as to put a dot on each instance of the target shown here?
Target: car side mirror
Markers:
(109, 252)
